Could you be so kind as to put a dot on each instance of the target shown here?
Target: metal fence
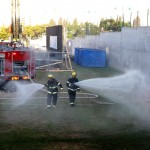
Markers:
(54, 61)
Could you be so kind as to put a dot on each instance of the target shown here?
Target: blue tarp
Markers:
(90, 57)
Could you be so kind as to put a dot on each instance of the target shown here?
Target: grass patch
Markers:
(88, 126)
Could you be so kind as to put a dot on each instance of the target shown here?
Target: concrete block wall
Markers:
(126, 50)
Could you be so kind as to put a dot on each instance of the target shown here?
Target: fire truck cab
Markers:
(16, 64)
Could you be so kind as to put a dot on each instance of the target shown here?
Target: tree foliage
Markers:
(4, 33)
(112, 25)
(73, 29)
(136, 22)
(34, 32)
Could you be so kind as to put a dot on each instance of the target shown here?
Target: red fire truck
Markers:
(16, 64)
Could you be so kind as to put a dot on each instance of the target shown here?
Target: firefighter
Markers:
(72, 87)
(52, 91)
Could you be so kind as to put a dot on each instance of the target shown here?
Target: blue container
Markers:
(76, 55)
(90, 57)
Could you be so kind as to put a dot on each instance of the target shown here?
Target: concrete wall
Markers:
(129, 49)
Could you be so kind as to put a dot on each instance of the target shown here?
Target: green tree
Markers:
(52, 22)
(91, 29)
(28, 32)
(37, 31)
(75, 29)
(70, 31)
(60, 21)
(136, 22)
(112, 25)
(34, 31)
(4, 33)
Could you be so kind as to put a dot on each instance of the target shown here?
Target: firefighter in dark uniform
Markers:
(72, 88)
(52, 90)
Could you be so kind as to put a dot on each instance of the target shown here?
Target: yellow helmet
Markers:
(50, 76)
(74, 74)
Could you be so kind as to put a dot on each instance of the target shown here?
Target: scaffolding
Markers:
(53, 61)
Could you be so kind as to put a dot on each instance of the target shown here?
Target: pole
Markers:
(122, 17)
(130, 18)
(15, 18)
(147, 16)
(122, 20)
(137, 18)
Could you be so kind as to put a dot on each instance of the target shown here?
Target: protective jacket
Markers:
(52, 86)
(71, 84)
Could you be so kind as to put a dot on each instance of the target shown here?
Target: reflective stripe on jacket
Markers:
(71, 84)
(52, 86)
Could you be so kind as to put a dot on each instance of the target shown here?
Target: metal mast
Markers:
(15, 19)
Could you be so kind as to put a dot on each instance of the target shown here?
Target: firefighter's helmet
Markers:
(74, 74)
(50, 76)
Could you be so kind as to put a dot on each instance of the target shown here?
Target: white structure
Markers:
(129, 49)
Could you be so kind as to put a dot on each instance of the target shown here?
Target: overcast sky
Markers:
(41, 11)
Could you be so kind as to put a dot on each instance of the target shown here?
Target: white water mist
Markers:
(25, 91)
(129, 89)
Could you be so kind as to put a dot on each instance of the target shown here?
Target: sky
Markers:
(41, 11)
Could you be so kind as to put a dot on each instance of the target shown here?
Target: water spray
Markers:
(129, 90)
(120, 89)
